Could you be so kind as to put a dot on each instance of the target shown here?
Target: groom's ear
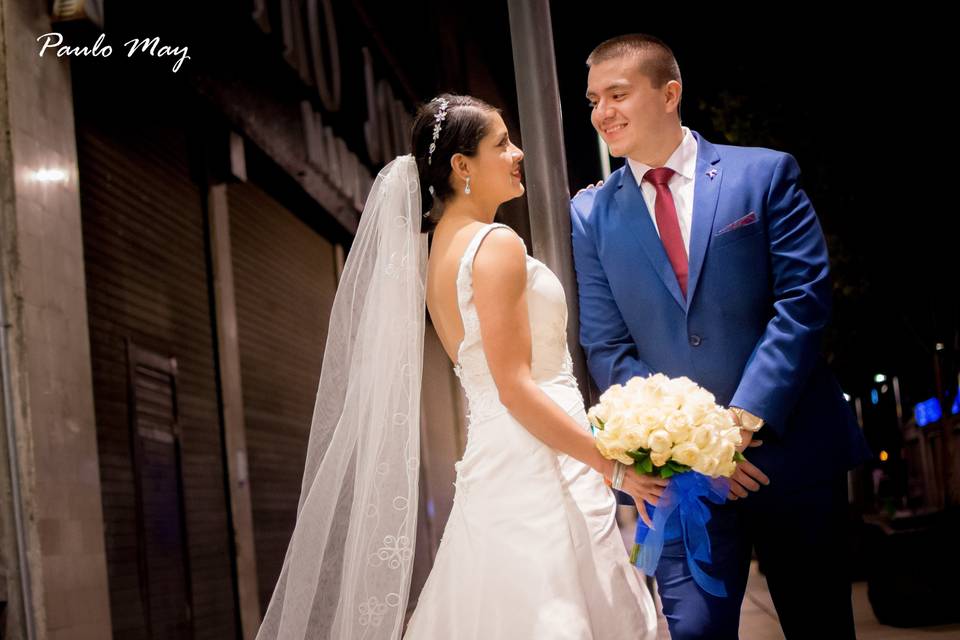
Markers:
(673, 93)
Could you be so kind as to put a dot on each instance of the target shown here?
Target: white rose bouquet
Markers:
(666, 426)
(673, 428)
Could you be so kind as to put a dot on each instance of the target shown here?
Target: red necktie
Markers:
(668, 225)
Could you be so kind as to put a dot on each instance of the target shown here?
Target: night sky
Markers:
(862, 104)
(862, 101)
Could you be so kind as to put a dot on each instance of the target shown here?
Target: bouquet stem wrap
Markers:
(682, 513)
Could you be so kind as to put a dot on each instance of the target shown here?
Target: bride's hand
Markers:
(590, 186)
(643, 489)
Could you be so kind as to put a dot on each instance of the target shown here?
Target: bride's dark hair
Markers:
(460, 132)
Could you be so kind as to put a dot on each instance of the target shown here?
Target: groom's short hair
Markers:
(655, 58)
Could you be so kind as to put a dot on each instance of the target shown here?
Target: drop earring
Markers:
(466, 189)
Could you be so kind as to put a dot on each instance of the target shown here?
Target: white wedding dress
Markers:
(531, 550)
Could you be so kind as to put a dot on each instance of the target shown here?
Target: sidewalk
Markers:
(758, 618)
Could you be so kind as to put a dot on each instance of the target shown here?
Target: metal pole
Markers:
(545, 165)
(946, 433)
(896, 397)
(604, 157)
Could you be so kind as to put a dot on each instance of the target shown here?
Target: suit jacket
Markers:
(758, 298)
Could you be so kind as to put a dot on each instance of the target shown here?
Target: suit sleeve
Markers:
(611, 352)
(785, 355)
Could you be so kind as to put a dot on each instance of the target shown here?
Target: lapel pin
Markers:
(712, 173)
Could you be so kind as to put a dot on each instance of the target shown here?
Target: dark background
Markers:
(862, 100)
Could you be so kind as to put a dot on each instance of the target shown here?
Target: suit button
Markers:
(695, 340)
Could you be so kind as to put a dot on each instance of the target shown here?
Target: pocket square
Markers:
(750, 218)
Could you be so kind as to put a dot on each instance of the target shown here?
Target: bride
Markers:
(531, 549)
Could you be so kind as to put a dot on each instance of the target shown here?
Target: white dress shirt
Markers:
(683, 161)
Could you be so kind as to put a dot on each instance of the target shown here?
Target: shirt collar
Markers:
(683, 160)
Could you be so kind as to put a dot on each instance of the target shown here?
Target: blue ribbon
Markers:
(682, 513)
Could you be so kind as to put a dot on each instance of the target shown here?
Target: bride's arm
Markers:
(499, 289)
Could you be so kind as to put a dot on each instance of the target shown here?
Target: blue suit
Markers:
(749, 331)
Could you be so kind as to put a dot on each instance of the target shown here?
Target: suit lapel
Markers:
(706, 193)
(634, 215)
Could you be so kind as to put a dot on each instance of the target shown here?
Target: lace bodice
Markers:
(547, 309)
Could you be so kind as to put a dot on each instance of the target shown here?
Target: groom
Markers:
(707, 261)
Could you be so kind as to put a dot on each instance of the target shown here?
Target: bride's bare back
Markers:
(449, 245)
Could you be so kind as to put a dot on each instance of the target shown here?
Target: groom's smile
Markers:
(617, 93)
(614, 129)
(633, 116)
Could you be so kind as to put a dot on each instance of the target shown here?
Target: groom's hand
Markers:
(746, 440)
(746, 435)
(745, 479)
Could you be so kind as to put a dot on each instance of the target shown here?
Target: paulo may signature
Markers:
(144, 46)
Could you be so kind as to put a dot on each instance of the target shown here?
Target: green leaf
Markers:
(601, 423)
(647, 465)
(634, 554)
(666, 472)
(676, 467)
(738, 457)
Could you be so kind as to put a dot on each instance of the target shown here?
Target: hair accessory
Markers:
(439, 117)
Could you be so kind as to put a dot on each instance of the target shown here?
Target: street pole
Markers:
(545, 166)
(946, 433)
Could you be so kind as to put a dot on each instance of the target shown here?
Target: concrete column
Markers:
(234, 429)
(55, 562)
(545, 161)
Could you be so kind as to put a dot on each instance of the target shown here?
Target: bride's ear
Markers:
(460, 167)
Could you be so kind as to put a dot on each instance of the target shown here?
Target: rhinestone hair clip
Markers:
(439, 117)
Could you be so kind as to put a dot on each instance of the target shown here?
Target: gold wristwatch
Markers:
(747, 420)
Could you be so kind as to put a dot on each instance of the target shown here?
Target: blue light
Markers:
(874, 396)
(927, 411)
(955, 409)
